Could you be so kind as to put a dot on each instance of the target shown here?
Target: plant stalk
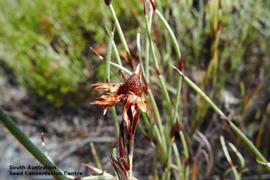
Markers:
(29, 145)
(119, 29)
(230, 124)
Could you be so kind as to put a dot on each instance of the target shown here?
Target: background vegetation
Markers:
(225, 50)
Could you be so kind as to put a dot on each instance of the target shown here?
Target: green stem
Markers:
(171, 34)
(239, 156)
(201, 93)
(231, 125)
(179, 167)
(147, 72)
(29, 145)
(109, 56)
(147, 48)
(119, 29)
(251, 146)
(161, 78)
(184, 144)
(228, 157)
(115, 120)
(95, 156)
(179, 56)
(117, 54)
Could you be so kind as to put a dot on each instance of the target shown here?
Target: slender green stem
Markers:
(116, 52)
(178, 161)
(201, 93)
(119, 29)
(239, 155)
(111, 45)
(228, 157)
(184, 143)
(171, 34)
(251, 146)
(231, 125)
(147, 56)
(139, 48)
(151, 44)
(115, 121)
(109, 56)
(178, 53)
(138, 42)
(96, 158)
(29, 145)
(178, 94)
(161, 144)
(161, 78)
(121, 68)
(147, 48)
(179, 84)
(156, 111)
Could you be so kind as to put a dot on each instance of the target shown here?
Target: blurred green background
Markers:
(47, 42)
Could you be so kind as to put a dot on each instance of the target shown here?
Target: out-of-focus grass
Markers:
(38, 40)
(47, 43)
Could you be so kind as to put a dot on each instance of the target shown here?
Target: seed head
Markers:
(132, 86)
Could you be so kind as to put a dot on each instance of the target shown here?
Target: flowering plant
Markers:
(130, 93)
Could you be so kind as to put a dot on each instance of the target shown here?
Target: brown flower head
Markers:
(129, 92)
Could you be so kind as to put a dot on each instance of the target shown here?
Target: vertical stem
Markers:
(171, 34)
(184, 143)
(109, 56)
(147, 73)
(161, 78)
(115, 120)
(179, 58)
(29, 145)
(117, 54)
(130, 157)
(96, 158)
(119, 29)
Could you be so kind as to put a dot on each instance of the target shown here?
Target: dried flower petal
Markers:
(136, 114)
(130, 100)
(138, 71)
(142, 105)
(109, 100)
(110, 87)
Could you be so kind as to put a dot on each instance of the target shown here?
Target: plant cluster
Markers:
(218, 39)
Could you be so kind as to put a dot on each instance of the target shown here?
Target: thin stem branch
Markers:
(29, 145)
(119, 29)
(179, 57)
(228, 157)
(230, 124)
